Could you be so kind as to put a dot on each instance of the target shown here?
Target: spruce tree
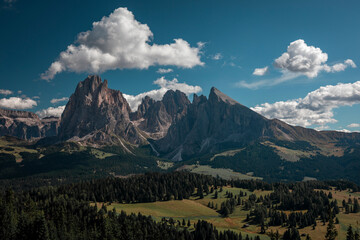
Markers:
(349, 233)
(331, 232)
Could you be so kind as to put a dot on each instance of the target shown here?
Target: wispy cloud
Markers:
(163, 70)
(57, 100)
(217, 56)
(261, 71)
(286, 76)
(353, 125)
(5, 92)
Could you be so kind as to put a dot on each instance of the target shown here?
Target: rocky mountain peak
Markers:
(155, 117)
(198, 99)
(217, 96)
(90, 84)
(175, 102)
(143, 108)
(96, 113)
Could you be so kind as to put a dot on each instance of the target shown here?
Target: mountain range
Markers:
(174, 128)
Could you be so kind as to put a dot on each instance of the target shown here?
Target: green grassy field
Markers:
(195, 209)
(221, 172)
(14, 147)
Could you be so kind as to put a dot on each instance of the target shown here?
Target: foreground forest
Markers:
(183, 206)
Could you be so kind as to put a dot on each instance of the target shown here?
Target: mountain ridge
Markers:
(176, 128)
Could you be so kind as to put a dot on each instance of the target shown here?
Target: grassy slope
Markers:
(221, 172)
(194, 209)
(14, 147)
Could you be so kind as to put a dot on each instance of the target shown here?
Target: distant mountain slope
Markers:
(219, 122)
(27, 125)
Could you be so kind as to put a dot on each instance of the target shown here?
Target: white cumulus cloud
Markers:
(308, 60)
(316, 108)
(51, 112)
(119, 41)
(17, 103)
(5, 92)
(57, 100)
(157, 94)
(163, 70)
(261, 71)
(299, 59)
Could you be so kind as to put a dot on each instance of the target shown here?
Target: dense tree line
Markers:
(149, 187)
(59, 216)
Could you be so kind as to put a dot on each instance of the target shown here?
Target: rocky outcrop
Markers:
(27, 125)
(155, 117)
(97, 115)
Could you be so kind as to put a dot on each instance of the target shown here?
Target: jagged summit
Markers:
(217, 95)
(96, 114)
(155, 117)
(90, 84)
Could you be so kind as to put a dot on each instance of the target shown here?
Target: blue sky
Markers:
(237, 37)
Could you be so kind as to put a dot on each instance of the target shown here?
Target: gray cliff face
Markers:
(27, 125)
(96, 114)
(211, 124)
(155, 117)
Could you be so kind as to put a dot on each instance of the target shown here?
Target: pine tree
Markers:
(350, 233)
(356, 208)
(291, 234)
(331, 232)
(356, 235)
(40, 227)
(330, 196)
